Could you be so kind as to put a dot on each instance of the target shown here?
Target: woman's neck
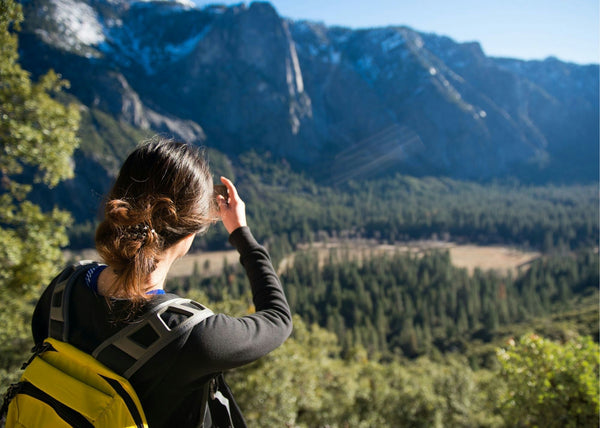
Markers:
(156, 280)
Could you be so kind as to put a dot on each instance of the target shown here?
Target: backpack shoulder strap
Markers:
(125, 340)
(58, 325)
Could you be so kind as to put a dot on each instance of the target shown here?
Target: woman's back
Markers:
(146, 227)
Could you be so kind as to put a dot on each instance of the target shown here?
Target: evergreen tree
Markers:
(38, 136)
(37, 133)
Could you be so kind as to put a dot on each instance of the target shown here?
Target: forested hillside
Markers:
(413, 305)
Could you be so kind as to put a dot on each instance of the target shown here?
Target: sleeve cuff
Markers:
(243, 240)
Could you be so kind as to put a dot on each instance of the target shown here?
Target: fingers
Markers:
(231, 190)
(231, 208)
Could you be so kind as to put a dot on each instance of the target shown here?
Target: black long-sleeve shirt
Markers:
(170, 385)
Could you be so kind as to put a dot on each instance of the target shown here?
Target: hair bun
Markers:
(121, 214)
(163, 211)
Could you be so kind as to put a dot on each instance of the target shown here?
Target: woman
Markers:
(162, 198)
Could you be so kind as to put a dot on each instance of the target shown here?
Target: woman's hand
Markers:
(231, 210)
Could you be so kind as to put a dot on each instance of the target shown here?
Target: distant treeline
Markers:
(410, 305)
(286, 208)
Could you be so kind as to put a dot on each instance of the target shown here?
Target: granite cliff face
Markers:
(337, 102)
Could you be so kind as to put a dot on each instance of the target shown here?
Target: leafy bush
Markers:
(306, 383)
(551, 384)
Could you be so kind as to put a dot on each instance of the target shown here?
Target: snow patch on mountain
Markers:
(185, 48)
(392, 42)
(188, 4)
(78, 23)
(368, 67)
(315, 40)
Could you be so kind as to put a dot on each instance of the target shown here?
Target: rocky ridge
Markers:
(336, 102)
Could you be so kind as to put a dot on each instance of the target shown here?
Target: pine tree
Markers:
(37, 134)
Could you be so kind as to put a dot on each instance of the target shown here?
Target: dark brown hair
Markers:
(162, 194)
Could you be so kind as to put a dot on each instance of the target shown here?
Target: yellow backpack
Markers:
(63, 386)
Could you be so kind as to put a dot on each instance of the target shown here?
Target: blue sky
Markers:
(527, 29)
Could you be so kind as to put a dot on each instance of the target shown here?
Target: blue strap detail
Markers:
(91, 277)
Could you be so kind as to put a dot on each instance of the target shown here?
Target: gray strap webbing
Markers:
(141, 354)
(58, 326)
(122, 340)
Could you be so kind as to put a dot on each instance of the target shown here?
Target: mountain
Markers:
(334, 102)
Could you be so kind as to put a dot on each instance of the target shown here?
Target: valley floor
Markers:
(500, 258)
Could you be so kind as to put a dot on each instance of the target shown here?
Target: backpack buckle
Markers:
(38, 349)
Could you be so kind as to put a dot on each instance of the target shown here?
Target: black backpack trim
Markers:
(133, 410)
(58, 326)
(66, 413)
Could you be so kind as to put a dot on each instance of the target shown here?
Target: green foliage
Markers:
(306, 383)
(30, 243)
(15, 336)
(311, 382)
(35, 130)
(37, 133)
(551, 384)
(38, 136)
